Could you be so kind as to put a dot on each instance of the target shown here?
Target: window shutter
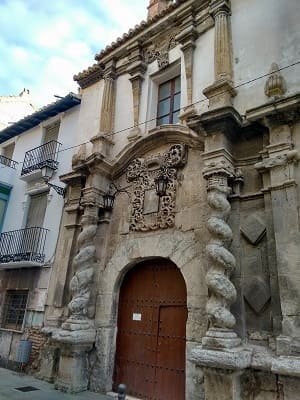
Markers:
(51, 132)
(37, 210)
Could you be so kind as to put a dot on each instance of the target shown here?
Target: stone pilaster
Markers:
(221, 261)
(108, 99)
(65, 247)
(220, 10)
(136, 70)
(187, 37)
(220, 93)
(279, 180)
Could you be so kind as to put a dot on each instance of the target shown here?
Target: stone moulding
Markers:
(254, 357)
(142, 173)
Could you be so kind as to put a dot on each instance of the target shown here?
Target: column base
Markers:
(225, 385)
(218, 338)
(233, 359)
(134, 134)
(220, 94)
(222, 370)
(188, 112)
(73, 369)
(49, 363)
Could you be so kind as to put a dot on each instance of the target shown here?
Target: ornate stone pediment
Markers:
(150, 212)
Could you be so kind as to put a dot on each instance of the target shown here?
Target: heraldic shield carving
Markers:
(149, 211)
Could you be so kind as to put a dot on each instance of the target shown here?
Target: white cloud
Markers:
(43, 44)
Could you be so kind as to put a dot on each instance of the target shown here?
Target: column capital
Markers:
(109, 70)
(219, 6)
(218, 169)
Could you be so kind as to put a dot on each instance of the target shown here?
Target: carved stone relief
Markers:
(159, 49)
(142, 173)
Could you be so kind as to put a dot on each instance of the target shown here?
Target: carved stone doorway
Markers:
(150, 354)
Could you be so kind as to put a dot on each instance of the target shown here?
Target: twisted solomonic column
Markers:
(222, 292)
(79, 326)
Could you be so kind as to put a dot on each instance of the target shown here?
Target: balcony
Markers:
(22, 248)
(8, 162)
(38, 157)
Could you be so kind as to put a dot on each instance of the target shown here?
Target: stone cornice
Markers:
(225, 119)
(279, 111)
(90, 76)
(143, 33)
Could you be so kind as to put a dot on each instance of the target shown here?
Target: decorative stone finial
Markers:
(275, 85)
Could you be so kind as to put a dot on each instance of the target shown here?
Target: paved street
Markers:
(10, 381)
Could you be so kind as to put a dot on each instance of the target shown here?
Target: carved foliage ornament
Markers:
(142, 173)
(159, 50)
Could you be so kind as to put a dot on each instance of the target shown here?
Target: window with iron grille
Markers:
(14, 309)
(169, 102)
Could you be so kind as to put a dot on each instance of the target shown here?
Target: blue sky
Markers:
(44, 43)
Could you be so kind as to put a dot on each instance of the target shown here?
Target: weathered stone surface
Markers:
(257, 294)
(234, 359)
(253, 229)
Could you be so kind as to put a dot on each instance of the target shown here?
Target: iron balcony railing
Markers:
(23, 245)
(38, 157)
(8, 162)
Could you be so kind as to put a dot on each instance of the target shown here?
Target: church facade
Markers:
(176, 270)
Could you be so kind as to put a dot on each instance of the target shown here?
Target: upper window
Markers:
(8, 151)
(168, 102)
(4, 195)
(51, 132)
(14, 309)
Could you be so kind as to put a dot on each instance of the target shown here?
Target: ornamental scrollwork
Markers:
(142, 174)
(159, 50)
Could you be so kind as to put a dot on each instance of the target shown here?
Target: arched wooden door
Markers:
(150, 354)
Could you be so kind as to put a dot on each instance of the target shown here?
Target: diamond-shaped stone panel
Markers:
(257, 294)
(253, 229)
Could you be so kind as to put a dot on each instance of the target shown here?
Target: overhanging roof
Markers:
(39, 116)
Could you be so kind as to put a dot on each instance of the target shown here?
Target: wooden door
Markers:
(150, 354)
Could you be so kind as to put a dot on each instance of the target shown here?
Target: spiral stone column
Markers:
(221, 261)
(79, 327)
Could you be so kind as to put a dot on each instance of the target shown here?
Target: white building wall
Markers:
(17, 209)
(264, 32)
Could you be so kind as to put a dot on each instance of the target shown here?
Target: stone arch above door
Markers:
(183, 249)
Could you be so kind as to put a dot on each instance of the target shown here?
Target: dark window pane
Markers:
(14, 309)
(164, 90)
(175, 117)
(176, 105)
(163, 120)
(164, 107)
(177, 84)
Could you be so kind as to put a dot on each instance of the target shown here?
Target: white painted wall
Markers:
(89, 113)
(16, 214)
(203, 69)
(264, 31)
(123, 112)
